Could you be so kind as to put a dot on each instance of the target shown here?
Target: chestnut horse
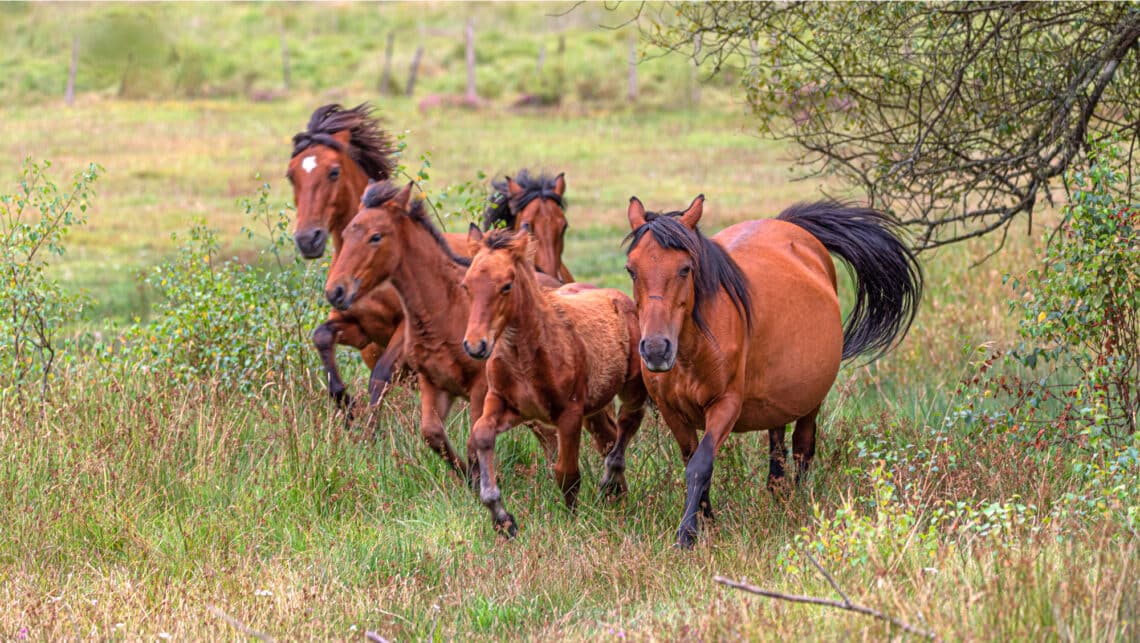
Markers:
(391, 242)
(333, 160)
(742, 332)
(555, 357)
(539, 203)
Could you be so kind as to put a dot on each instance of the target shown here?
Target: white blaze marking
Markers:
(309, 163)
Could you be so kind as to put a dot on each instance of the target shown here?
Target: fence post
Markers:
(414, 70)
(472, 96)
(69, 94)
(386, 79)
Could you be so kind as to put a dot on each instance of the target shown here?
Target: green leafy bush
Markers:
(240, 325)
(34, 308)
(1081, 311)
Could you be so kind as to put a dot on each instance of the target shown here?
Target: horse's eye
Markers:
(374, 238)
(506, 289)
(632, 273)
(334, 174)
(684, 272)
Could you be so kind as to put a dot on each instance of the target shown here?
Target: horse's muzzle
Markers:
(340, 297)
(311, 243)
(658, 353)
(481, 350)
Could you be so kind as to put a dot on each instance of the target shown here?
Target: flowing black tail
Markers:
(888, 279)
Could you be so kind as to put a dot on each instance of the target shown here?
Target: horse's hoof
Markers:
(686, 538)
(613, 490)
(508, 527)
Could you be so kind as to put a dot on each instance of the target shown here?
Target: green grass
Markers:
(137, 508)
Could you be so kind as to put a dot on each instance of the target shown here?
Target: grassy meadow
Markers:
(135, 507)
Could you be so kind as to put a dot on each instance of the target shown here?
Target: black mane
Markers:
(369, 145)
(504, 209)
(379, 193)
(498, 239)
(713, 268)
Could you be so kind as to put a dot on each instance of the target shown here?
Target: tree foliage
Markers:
(960, 118)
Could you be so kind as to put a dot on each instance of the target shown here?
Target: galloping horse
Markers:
(392, 242)
(332, 163)
(539, 203)
(742, 332)
(555, 356)
(333, 160)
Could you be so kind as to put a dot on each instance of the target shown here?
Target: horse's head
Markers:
(501, 260)
(373, 244)
(332, 161)
(538, 203)
(664, 262)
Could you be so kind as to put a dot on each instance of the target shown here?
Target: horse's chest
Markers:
(684, 397)
(436, 362)
(531, 398)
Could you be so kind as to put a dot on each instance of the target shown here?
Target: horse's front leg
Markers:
(719, 420)
(337, 330)
(435, 404)
(382, 370)
(481, 449)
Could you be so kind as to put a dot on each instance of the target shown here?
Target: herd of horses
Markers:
(736, 332)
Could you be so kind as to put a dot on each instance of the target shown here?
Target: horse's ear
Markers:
(513, 189)
(474, 239)
(692, 216)
(520, 243)
(403, 198)
(560, 184)
(344, 137)
(636, 213)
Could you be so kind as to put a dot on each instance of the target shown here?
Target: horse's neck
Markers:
(533, 320)
(424, 277)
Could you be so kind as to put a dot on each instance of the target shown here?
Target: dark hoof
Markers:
(614, 489)
(779, 487)
(686, 538)
(507, 528)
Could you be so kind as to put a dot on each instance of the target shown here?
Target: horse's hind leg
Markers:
(777, 456)
(629, 421)
(603, 429)
(566, 471)
(803, 443)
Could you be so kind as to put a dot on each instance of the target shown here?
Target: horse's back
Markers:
(796, 342)
(601, 318)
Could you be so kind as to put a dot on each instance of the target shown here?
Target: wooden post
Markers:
(471, 96)
(386, 79)
(126, 74)
(694, 74)
(69, 94)
(284, 58)
(632, 92)
(415, 68)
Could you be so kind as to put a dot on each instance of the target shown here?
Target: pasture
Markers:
(138, 507)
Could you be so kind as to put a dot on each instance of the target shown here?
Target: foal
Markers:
(554, 357)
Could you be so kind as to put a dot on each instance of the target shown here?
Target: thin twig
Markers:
(375, 638)
(238, 625)
(827, 602)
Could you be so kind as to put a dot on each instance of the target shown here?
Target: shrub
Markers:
(1081, 311)
(236, 324)
(34, 308)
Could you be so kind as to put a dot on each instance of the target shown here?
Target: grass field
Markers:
(135, 508)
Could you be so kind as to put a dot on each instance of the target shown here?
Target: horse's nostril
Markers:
(641, 346)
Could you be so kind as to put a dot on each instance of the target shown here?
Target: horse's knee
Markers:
(324, 337)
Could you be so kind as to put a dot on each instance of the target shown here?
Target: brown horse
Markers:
(539, 203)
(555, 357)
(742, 332)
(391, 242)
